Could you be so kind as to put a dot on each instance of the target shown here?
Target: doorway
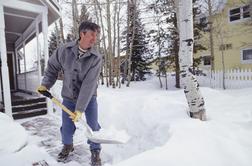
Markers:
(11, 70)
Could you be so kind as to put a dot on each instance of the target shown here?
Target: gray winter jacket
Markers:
(80, 74)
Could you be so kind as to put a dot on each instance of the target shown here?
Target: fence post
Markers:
(227, 76)
(232, 78)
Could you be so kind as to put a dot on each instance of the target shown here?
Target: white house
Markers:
(23, 47)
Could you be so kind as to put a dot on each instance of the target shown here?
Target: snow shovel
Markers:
(102, 136)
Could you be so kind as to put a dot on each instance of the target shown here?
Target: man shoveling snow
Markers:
(81, 65)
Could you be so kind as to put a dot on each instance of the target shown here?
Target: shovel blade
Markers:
(105, 141)
(109, 137)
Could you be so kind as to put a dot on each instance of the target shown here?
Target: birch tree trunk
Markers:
(191, 87)
(62, 38)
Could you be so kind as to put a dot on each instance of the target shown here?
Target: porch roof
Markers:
(17, 21)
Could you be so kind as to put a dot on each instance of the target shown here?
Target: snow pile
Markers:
(27, 156)
(225, 139)
(13, 136)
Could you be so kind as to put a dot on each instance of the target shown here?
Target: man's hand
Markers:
(77, 116)
(41, 88)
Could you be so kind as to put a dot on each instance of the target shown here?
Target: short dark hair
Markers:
(87, 25)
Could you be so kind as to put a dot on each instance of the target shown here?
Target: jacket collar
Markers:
(74, 46)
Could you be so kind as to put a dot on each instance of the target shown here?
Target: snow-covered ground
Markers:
(161, 132)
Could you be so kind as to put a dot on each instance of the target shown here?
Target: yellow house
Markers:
(232, 37)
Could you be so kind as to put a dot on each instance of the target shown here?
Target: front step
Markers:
(30, 113)
(28, 101)
(25, 108)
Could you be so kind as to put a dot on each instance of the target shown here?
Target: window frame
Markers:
(203, 60)
(240, 14)
(249, 61)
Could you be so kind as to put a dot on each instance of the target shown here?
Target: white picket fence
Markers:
(233, 79)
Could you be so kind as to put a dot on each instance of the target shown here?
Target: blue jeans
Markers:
(68, 127)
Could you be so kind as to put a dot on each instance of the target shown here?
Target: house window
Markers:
(246, 55)
(239, 13)
(21, 60)
(206, 60)
(246, 13)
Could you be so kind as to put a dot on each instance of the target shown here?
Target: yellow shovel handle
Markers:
(58, 103)
(64, 108)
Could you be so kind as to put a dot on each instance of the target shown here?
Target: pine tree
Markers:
(53, 43)
(168, 10)
(140, 53)
(198, 28)
(168, 37)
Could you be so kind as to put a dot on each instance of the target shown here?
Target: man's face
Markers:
(88, 38)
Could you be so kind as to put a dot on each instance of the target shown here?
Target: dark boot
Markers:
(66, 150)
(95, 157)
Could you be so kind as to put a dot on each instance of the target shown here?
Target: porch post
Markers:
(45, 36)
(46, 55)
(38, 50)
(5, 70)
(23, 47)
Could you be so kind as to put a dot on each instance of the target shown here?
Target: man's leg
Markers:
(91, 114)
(68, 127)
(92, 120)
(67, 131)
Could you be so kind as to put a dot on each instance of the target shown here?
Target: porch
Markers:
(26, 105)
(23, 52)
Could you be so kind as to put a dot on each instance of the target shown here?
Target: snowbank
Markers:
(13, 136)
(161, 132)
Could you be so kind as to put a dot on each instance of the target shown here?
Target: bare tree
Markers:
(105, 64)
(111, 75)
(191, 86)
(221, 35)
(62, 38)
(75, 19)
(210, 21)
(114, 47)
(211, 8)
(118, 47)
